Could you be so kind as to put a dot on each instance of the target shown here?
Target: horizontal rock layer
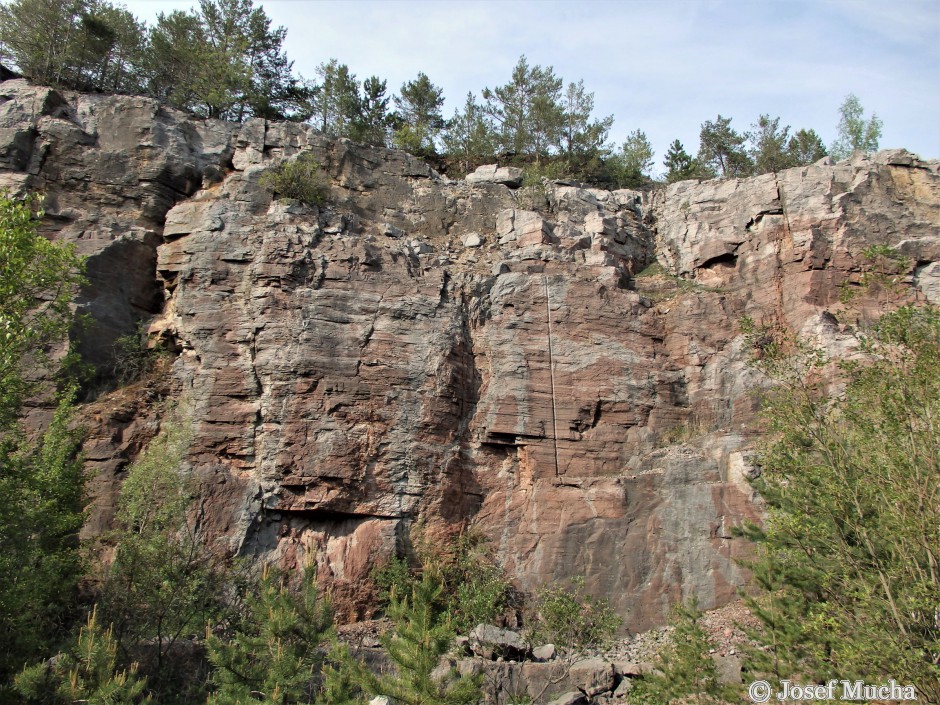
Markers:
(422, 351)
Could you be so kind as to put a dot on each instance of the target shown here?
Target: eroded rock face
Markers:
(421, 350)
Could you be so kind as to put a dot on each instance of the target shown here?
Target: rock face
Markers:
(454, 353)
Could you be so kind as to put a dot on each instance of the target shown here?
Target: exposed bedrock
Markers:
(422, 350)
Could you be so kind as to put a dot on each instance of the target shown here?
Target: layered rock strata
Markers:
(422, 351)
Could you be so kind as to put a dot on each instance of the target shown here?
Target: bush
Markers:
(847, 557)
(572, 620)
(299, 179)
(685, 671)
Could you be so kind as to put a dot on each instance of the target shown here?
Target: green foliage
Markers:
(335, 106)
(855, 132)
(470, 135)
(372, 122)
(299, 179)
(582, 137)
(274, 655)
(722, 149)
(572, 620)
(42, 486)
(806, 147)
(222, 61)
(848, 555)
(37, 280)
(769, 151)
(681, 166)
(630, 167)
(418, 115)
(527, 110)
(422, 634)
(87, 672)
(474, 588)
(40, 478)
(85, 44)
(163, 584)
(685, 672)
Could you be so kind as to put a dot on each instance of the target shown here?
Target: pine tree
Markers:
(470, 136)
(630, 167)
(769, 150)
(372, 122)
(274, 656)
(418, 114)
(336, 102)
(806, 147)
(86, 673)
(680, 165)
(422, 635)
(582, 137)
(722, 149)
(527, 110)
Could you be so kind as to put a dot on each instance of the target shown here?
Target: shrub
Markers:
(685, 671)
(572, 620)
(299, 179)
(87, 673)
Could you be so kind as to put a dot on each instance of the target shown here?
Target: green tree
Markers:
(40, 480)
(38, 36)
(680, 165)
(848, 555)
(581, 137)
(572, 620)
(806, 147)
(422, 634)
(722, 149)
(274, 654)
(372, 122)
(418, 115)
(770, 146)
(224, 61)
(87, 672)
(527, 110)
(855, 132)
(336, 104)
(685, 671)
(630, 167)
(470, 136)
(163, 584)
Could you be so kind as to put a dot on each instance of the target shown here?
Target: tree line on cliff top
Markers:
(225, 60)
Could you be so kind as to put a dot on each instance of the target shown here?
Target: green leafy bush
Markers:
(571, 619)
(685, 671)
(847, 557)
(298, 179)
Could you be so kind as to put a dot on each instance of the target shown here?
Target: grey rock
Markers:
(472, 240)
(491, 173)
(593, 675)
(571, 698)
(492, 642)
(546, 652)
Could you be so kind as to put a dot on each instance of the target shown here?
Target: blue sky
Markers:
(663, 66)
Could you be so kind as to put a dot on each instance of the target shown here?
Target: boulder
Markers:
(491, 642)
(493, 174)
(592, 675)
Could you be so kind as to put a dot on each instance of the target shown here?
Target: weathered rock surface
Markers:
(450, 351)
